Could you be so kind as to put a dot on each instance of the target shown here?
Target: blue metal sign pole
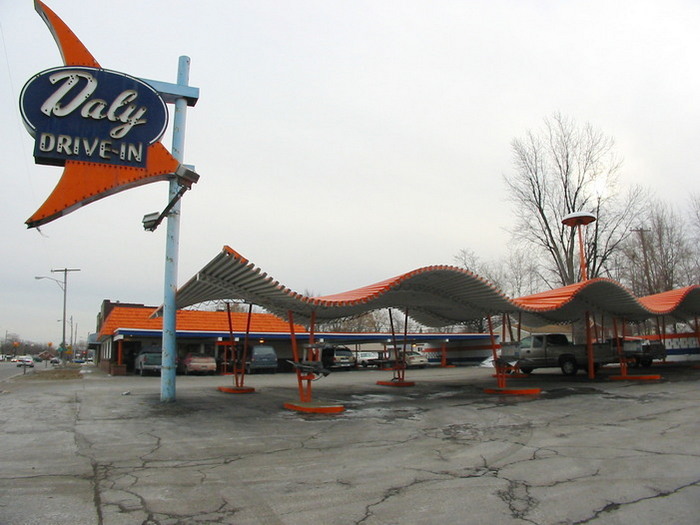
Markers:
(169, 362)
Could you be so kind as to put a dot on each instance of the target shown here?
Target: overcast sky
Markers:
(338, 143)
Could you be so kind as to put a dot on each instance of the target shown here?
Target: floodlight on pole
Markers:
(578, 219)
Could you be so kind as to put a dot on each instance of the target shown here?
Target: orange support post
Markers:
(443, 359)
(304, 394)
(238, 364)
(503, 328)
(304, 379)
(244, 353)
(620, 347)
(623, 361)
(501, 371)
(399, 378)
(589, 346)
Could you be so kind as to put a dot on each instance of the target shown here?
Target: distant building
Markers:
(125, 329)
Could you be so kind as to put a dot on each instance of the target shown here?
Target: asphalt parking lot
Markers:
(105, 450)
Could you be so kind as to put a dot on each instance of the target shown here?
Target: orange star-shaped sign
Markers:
(104, 127)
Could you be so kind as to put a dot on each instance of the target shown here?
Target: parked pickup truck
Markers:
(555, 350)
(641, 352)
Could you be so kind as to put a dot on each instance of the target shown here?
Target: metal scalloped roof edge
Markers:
(434, 296)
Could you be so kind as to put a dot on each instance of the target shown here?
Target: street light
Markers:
(63, 285)
(578, 219)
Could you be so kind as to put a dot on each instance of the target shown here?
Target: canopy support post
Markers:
(443, 358)
(589, 347)
(623, 360)
(308, 371)
(502, 368)
(239, 361)
(497, 363)
(244, 353)
(399, 378)
(620, 341)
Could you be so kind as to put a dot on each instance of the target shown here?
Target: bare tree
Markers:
(662, 255)
(368, 322)
(515, 275)
(695, 215)
(562, 169)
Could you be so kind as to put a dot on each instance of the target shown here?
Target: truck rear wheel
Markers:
(568, 365)
(526, 369)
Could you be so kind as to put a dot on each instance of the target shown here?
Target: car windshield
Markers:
(343, 353)
(265, 351)
(200, 359)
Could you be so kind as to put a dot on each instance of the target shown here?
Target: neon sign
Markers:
(91, 115)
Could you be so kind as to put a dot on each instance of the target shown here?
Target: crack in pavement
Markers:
(614, 506)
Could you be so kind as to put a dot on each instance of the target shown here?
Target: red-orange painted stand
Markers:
(399, 378)
(238, 361)
(502, 369)
(305, 378)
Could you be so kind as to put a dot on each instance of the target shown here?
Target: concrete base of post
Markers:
(236, 389)
(652, 377)
(396, 383)
(514, 391)
(314, 407)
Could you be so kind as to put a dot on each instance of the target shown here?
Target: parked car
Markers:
(197, 364)
(148, 361)
(416, 359)
(25, 360)
(365, 359)
(337, 357)
(55, 361)
(551, 350)
(261, 358)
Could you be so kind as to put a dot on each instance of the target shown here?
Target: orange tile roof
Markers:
(138, 318)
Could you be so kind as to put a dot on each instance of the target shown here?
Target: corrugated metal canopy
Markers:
(433, 296)
(610, 298)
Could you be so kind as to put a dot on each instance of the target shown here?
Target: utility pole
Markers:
(65, 293)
